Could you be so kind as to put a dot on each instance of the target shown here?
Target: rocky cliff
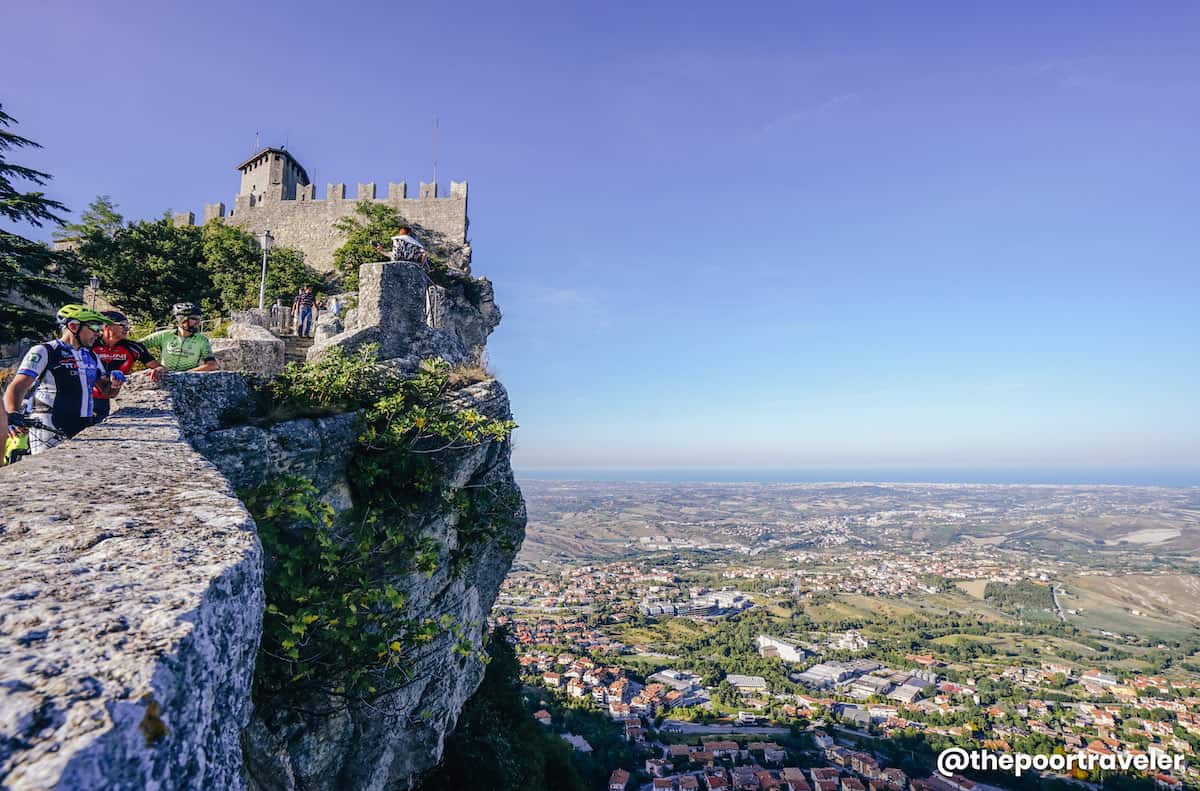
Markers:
(130, 614)
(188, 615)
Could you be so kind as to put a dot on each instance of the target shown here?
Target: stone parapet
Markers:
(250, 348)
(410, 319)
(131, 610)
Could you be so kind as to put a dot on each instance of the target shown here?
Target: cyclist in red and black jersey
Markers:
(118, 353)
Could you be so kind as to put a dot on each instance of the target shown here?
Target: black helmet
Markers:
(116, 316)
(185, 309)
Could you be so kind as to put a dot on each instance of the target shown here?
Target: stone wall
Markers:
(132, 605)
(307, 223)
(131, 610)
(411, 318)
(249, 348)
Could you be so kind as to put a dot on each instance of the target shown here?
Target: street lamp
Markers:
(94, 283)
(267, 238)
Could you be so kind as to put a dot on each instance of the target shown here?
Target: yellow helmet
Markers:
(80, 313)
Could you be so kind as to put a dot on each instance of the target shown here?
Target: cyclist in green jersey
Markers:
(184, 348)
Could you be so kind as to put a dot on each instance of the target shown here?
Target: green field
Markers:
(1168, 605)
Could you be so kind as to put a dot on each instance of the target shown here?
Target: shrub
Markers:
(335, 619)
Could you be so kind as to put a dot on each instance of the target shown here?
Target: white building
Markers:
(784, 649)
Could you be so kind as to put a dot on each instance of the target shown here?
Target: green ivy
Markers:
(332, 621)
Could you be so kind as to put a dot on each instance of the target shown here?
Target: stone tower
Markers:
(271, 174)
(276, 195)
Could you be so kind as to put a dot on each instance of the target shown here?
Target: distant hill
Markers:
(605, 519)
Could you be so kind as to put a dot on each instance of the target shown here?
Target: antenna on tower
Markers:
(256, 141)
(435, 152)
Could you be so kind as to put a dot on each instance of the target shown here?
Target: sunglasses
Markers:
(94, 327)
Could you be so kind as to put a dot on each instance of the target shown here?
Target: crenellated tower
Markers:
(275, 194)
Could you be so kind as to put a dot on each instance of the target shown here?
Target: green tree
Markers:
(234, 260)
(497, 744)
(371, 224)
(34, 279)
(148, 266)
(101, 216)
(145, 267)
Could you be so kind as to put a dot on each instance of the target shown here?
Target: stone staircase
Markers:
(295, 348)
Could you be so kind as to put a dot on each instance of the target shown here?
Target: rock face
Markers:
(249, 348)
(131, 611)
(411, 318)
(390, 741)
(317, 449)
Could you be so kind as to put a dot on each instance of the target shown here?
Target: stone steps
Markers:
(295, 349)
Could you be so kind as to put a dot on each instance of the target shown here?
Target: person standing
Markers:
(183, 348)
(58, 376)
(302, 310)
(118, 353)
(405, 247)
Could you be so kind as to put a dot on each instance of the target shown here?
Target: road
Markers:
(724, 730)
(1058, 610)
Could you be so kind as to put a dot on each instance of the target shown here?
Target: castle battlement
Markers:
(276, 195)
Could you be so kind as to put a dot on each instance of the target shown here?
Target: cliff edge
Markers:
(139, 637)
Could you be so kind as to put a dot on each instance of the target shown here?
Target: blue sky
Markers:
(787, 235)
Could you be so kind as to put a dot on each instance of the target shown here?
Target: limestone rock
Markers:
(411, 319)
(131, 612)
(389, 742)
(250, 348)
(327, 328)
(314, 448)
(202, 402)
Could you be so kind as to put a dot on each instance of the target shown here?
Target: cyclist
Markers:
(118, 353)
(59, 376)
(183, 348)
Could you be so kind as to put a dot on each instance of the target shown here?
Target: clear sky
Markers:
(789, 235)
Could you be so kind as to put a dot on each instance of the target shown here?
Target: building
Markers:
(747, 685)
(783, 649)
(578, 742)
(275, 194)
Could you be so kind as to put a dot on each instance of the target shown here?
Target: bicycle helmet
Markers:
(185, 309)
(80, 313)
(115, 316)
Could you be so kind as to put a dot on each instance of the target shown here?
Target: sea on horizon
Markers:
(1173, 478)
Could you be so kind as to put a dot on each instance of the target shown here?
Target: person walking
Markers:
(185, 347)
(302, 311)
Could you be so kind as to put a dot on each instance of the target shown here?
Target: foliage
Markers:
(146, 267)
(329, 618)
(234, 260)
(1025, 593)
(341, 382)
(375, 224)
(497, 744)
(101, 216)
(335, 618)
(34, 280)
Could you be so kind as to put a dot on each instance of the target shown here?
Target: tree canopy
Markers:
(34, 279)
(145, 267)
(372, 224)
(497, 744)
